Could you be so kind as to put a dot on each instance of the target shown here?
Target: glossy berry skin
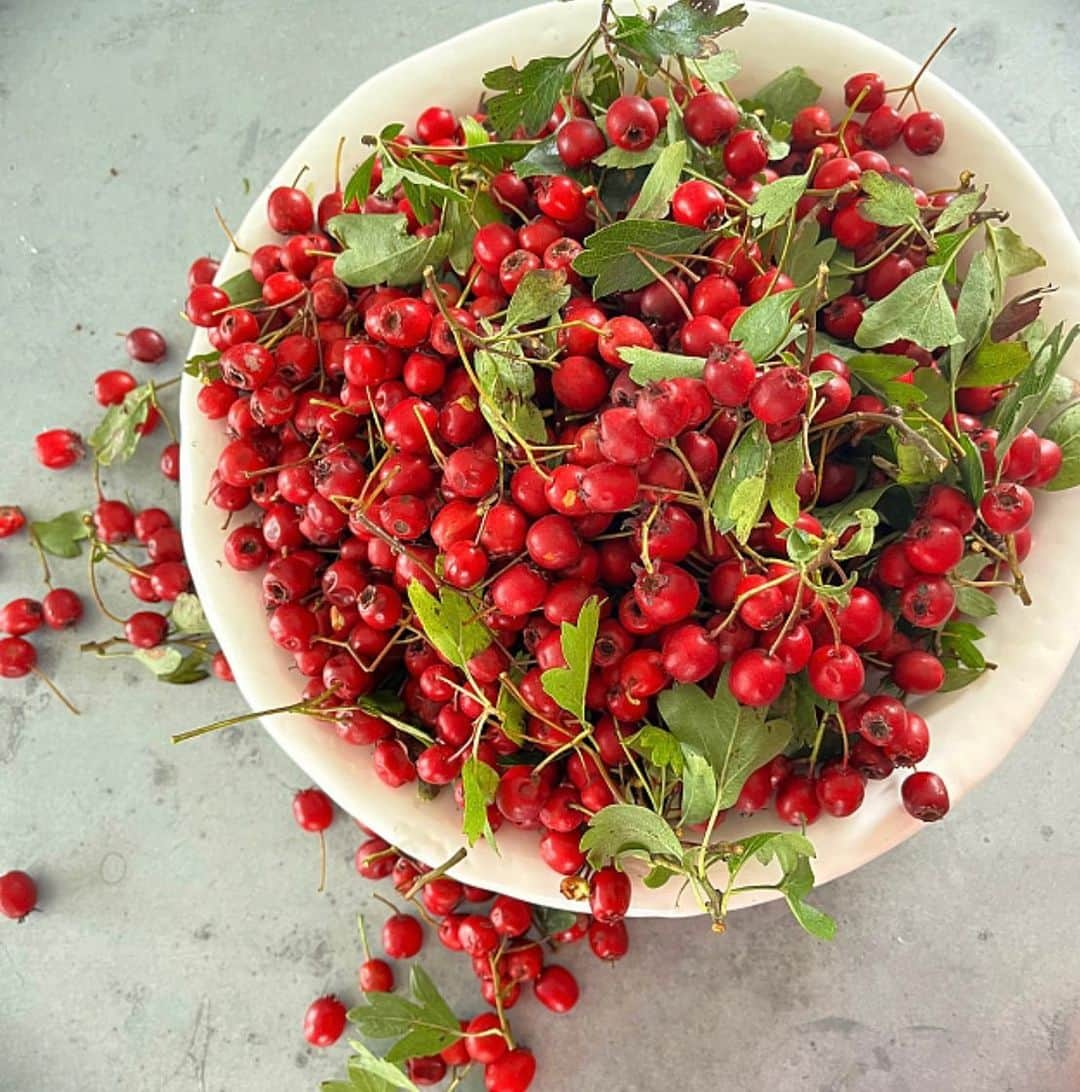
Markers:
(146, 629)
(840, 789)
(289, 210)
(58, 448)
(12, 520)
(933, 545)
(145, 345)
(511, 917)
(709, 117)
(376, 976)
(61, 608)
(18, 894)
(609, 895)
(918, 672)
(925, 796)
(402, 936)
(1006, 508)
(111, 387)
(697, 203)
(779, 395)
(924, 132)
(18, 657)
(836, 672)
(484, 1040)
(324, 1022)
(21, 616)
(883, 127)
(927, 601)
(579, 141)
(881, 719)
(513, 1072)
(631, 123)
(757, 678)
(865, 88)
(797, 802)
(313, 810)
(556, 989)
(745, 153)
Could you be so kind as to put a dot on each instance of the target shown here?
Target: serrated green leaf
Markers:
(1064, 430)
(890, 201)
(629, 254)
(512, 715)
(478, 782)
(735, 739)
(684, 29)
(358, 188)
(117, 436)
(162, 660)
(539, 295)
(625, 160)
(506, 385)
(651, 365)
(749, 458)
(654, 200)
(61, 535)
(540, 160)
(603, 82)
(917, 309)
(379, 249)
(776, 201)
(204, 366)
(747, 506)
(975, 304)
(187, 614)
(659, 747)
(380, 1075)
(717, 69)
(527, 95)
(626, 830)
(567, 685)
(862, 542)
(461, 222)
(451, 622)
(764, 326)
(972, 473)
(816, 922)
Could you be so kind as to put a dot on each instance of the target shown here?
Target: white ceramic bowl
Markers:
(972, 730)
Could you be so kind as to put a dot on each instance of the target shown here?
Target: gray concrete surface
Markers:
(181, 936)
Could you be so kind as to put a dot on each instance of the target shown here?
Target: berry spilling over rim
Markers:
(624, 460)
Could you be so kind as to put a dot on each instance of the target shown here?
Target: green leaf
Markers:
(626, 830)
(242, 288)
(651, 365)
(785, 95)
(994, 363)
(659, 747)
(191, 669)
(427, 994)
(749, 458)
(775, 201)
(764, 326)
(876, 369)
(975, 304)
(541, 159)
(785, 466)
(567, 685)
(528, 95)
(460, 223)
(162, 660)
(507, 384)
(862, 542)
(379, 249)
(698, 787)
(956, 678)
(383, 1075)
(549, 921)
(947, 248)
(972, 473)
(747, 506)
(717, 69)
(684, 29)
(889, 202)
(1009, 256)
(917, 309)
(511, 713)
(358, 188)
(975, 603)
(540, 294)
(204, 366)
(1065, 432)
(117, 436)
(654, 199)
(478, 782)
(735, 739)
(61, 535)
(450, 623)
(935, 390)
(611, 255)
(816, 922)
(625, 160)
(805, 255)
(958, 210)
(187, 614)
(603, 82)
(1022, 404)
(658, 876)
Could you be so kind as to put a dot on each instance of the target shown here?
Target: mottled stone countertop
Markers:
(181, 936)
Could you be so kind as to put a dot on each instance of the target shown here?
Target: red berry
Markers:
(146, 629)
(556, 989)
(21, 616)
(867, 89)
(18, 895)
(313, 810)
(484, 1039)
(927, 601)
(111, 387)
(925, 796)
(883, 127)
(579, 142)
(609, 895)
(779, 395)
(61, 608)
(697, 203)
(289, 210)
(797, 802)
(933, 545)
(145, 345)
(1006, 508)
(709, 117)
(513, 1072)
(324, 1022)
(924, 132)
(402, 936)
(58, 448)
(745, 153)
(836, 672)
(12, 520)
(631, 123)
(840, 789)
(757, 678)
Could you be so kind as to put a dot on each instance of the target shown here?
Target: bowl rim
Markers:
(332, 768)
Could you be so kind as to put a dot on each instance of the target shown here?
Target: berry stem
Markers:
(55, 689)
(910, 88)
(435, 873)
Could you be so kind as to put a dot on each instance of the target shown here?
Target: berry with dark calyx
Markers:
(58, 448)
(1006, 508)
(697, 203)
(631, 123)
(927, 601)
(145, 345)
(880, 719)
(911, 744)
(18, 894)
(925, 796)
(324, 1021)
(933, 545)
